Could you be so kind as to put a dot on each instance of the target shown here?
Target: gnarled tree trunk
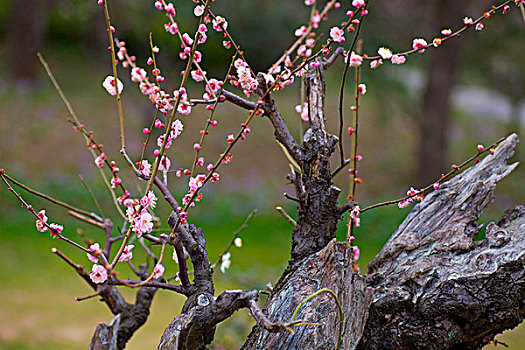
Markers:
(432, 286)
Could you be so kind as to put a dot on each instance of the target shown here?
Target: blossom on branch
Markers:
(98, 274)
(127, 254)
(109, 85)
(41, 221)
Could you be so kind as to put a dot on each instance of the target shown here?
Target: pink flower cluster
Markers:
(141, 221)
(415, 195)
(303, 111)
(43, 226)
(245, 78)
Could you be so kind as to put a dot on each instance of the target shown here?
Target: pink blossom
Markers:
(170, 9)
(355, 60)
(99, 161)
(361, 88)
(385, 53)
(419, 44)
(150, 200)
(138, 75)
(355, 251)
(309, 2)
(159, 124)
(158, 271)
(479, 26)
(145, 167)
(468, 21)
(176, 128)
(197, 75)
(143, 223)
(109, 85)
(300, 31)
(337, 34)
(93, 248)
(506, 9)
(115, 182)
(56, 228)
(436, 185)
(41, 221)
(303, 111)
(214, 85)
(158, 5)
(480, 148)
(351, 130)
(196, 147)
(165, 163)
(358, 3)
(214, 177)
(200, 161)
(198, 10)
(376, 63)
(98, 274)
(127, 254)
(219, 24)
(358, 157)
(398, 59)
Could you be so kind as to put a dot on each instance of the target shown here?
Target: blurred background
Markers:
(417, 119)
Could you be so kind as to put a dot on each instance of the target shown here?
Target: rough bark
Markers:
(437, 288)
(328, 268)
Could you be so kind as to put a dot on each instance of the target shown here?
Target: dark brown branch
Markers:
(239, 101)
(154, 284)
(330, 60)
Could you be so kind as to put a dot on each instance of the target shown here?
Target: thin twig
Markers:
(286, 216)
(235, 235)
(93, 198)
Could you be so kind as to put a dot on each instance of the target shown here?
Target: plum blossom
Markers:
(165, 163)
(219, 24)
(479, 26)
(376, 63)
(419, 45)
(303, 111)
(138, 75)
(158, 271)
(149, 201)
(99, 161)
(337, 34)
(41, 221)
(143, 223)
(398, 59)
(358, 3)
(354, 215)
(225, 262)
(300, 31)
(385, 53)
(436, 185)
(93, 248)
(468, 21)
(127, 254)
(309, 2)
(446, 32)
(98, 274)
(480, 148)
(355, 60)
(237, 242)
(198, 10)
(361, 88)
(355, 253)
(109, 85)
(145, 167)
